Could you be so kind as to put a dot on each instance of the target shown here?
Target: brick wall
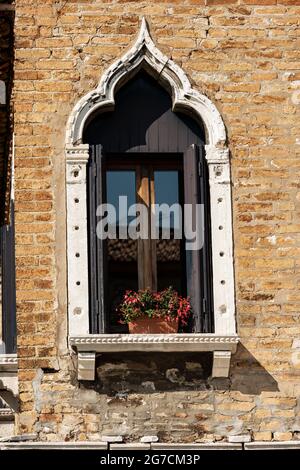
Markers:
(245, 56)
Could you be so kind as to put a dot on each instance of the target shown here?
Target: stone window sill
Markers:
(8, 383)
(8, 363)
(87, 346)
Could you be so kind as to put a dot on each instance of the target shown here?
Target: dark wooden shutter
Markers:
(205, 253)
(198, 262)
(97, 258)
(8, 285)
(193, 269)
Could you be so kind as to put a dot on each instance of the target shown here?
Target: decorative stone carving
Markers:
(6, 414)
(8, 362)
(197, 341)
(144, 54)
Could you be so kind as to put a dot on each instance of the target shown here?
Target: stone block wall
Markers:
(244, 55)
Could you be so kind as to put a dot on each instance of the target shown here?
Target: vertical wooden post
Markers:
(146, 248)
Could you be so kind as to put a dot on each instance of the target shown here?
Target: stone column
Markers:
(77, 239)
(221, 231)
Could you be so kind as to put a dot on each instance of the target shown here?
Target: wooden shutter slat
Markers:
(97, 247)
(198, 262)
(101, 244)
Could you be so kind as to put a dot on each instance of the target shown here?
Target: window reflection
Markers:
(121, 253)
(169, 252)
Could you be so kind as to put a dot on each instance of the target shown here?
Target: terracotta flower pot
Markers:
(153, 325)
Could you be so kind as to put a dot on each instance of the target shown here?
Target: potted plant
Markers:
(154, 312)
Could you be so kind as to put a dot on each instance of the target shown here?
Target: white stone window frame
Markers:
(144, 54)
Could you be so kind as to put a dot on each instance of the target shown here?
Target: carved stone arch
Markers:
(144, 54)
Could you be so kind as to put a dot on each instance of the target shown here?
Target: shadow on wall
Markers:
(247, 375)
(161, 372)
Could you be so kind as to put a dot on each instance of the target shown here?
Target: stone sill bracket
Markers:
(145, 55)
(87, 346)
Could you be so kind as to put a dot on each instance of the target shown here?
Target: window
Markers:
(142, 105)
(8, 287)
(144, 263)
(147, 176)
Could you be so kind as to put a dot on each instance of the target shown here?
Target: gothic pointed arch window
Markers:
(147, 134)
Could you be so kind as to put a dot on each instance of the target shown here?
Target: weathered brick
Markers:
(262, 436)
(243, 55)
(283, 436)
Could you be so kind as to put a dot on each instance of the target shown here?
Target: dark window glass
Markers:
(120, 183)
(121, 252)
(169, 253)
